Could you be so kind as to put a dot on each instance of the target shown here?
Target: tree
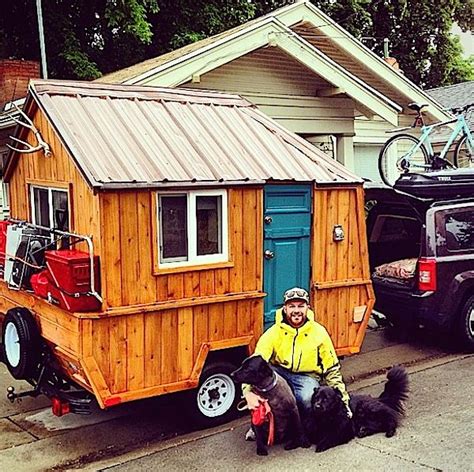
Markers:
(85, 38)
(419, 34)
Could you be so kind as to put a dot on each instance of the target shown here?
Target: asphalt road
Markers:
(32, 439)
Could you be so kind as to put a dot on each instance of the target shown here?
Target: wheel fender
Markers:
(461, 287)
(21, 344)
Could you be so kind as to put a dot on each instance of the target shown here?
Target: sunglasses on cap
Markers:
(296, 293)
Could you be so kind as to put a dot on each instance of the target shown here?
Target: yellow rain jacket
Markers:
(306, 350)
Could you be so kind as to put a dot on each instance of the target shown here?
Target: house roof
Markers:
(133, 136)
(454, 96)
(295, 28)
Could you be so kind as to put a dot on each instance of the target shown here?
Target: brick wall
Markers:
(14, 77)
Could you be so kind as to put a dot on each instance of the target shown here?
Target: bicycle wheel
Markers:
(392, 160)
(463, 154)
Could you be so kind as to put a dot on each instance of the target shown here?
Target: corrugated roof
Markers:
(122, 136)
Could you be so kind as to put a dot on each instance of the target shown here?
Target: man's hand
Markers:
(349, 411)
(253, 400)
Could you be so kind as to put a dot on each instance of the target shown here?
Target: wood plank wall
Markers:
(127, 221)
(141, 351)
(58, 169)
(340, 270)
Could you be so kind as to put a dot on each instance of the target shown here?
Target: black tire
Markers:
(215, 400)
(466, 324)
(21, 344)
(463, 157)
(389, 172)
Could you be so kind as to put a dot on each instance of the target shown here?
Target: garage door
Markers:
(365, 161)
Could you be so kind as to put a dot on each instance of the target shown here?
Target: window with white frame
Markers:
(192, 228)
(50, 207)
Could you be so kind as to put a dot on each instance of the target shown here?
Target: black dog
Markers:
(328, 425)
(271, 386)
(383, 414)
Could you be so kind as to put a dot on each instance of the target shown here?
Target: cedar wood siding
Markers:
(340, 270)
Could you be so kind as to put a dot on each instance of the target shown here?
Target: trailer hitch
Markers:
(12, 395)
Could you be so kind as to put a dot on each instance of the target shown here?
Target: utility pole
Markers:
(39, 12)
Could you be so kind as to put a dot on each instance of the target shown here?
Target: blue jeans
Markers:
(302, 385)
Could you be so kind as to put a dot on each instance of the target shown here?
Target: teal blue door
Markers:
(287, 229)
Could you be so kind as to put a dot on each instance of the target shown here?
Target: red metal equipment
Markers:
(70, 279)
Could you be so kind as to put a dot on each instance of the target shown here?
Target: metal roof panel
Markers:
(148, 136)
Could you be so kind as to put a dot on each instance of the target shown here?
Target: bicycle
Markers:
(403, 152)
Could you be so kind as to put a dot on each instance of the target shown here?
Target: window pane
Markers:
(460, 231)
(40, 196)
(209, 221)
(399, 229)
(174, 237)
(60, 210)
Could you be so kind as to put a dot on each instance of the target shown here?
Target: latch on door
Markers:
(269, 254)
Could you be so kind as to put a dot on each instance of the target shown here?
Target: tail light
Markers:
(427, 274)
(60, 407)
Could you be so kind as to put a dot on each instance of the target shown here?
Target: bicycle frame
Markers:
(424, 139)
(460, 128)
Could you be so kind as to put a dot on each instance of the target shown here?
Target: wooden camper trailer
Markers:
(196, 211)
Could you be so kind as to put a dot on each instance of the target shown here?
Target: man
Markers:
(301, 351)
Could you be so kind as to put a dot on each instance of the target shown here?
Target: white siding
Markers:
(283, 89)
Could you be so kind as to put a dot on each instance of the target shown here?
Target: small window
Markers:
(50, 207)
(192, 228)
(460, 231)
(395, 228)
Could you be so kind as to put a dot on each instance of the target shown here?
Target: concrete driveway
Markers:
(32, 439)
(436, 435)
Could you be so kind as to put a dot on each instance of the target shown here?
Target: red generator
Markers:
(70, 279)
(3, 240)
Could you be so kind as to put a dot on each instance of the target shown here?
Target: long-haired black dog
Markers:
(328, 424)
(271, 386)
(383, 414)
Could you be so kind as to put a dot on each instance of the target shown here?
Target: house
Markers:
(200, 210)
(305, 71)
(455, 97)
(14, 77)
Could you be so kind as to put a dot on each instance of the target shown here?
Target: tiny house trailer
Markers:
(155, 241)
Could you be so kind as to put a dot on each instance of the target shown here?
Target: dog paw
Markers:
(320, 448)
(305, 443)
(262, 452)
(390, 433)
(291, 445)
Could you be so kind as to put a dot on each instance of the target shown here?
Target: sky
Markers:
(467, 40)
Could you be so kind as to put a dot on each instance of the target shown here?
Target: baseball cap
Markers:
(296, 293)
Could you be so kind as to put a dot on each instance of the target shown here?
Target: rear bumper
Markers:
(408, 307)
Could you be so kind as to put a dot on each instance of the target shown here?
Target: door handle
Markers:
(268, 220)
(269, 254)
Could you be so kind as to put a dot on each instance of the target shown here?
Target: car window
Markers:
(460, 230)
(395, 228)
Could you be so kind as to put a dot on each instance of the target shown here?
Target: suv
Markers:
(421, 254)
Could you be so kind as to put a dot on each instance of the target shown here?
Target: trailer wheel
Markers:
(466, 324)
(215, 400)
(21, 343)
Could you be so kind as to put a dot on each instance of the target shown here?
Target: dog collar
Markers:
(270, 386)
